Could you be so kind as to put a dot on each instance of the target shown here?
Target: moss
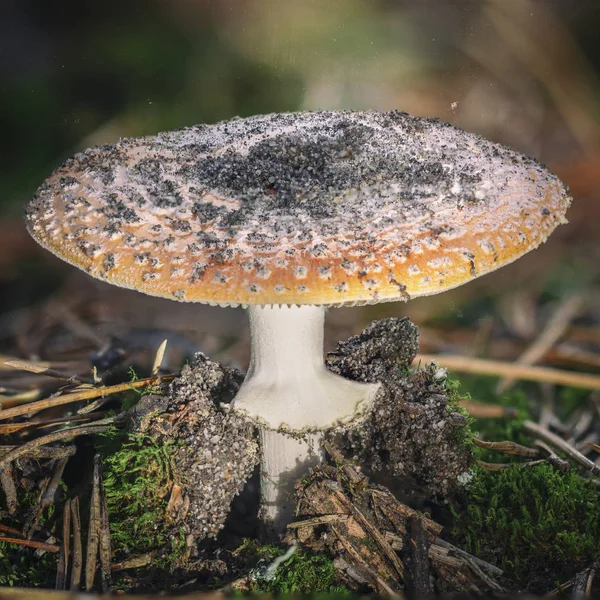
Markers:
(519, 399)
(305, 572)
(462, 435)
(497, 429)
(21, 566)
(569, 400)
(538, 524)
(131, 398)
(136, 480)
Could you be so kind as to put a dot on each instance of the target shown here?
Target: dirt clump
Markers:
(215, 451)
(414, 430)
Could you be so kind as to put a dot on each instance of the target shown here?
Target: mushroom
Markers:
(287, 214)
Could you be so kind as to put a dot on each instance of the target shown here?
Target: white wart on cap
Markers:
(327, 208)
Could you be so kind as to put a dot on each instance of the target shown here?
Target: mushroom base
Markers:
(284, 460)
(287, 386)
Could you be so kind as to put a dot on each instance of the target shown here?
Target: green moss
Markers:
(305, 572)
(21, 566)
(455, 396)
(498, 429)
(131, 398)
(569, 400)
(136, 480)
(538, 524)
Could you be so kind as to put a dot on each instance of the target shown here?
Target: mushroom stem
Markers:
(284, 460)
(290, 393)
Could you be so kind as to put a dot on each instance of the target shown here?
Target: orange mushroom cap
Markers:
(327, 208)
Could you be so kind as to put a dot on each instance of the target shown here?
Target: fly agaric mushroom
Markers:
(287, 214)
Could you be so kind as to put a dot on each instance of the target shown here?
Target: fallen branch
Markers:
(466, 364)
(562, 445)
(30, 544)
(92, 428)
(83, 395)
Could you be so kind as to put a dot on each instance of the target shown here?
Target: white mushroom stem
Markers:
(288, 390)
(284, 460)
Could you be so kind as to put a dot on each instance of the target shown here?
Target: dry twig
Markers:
(40, 452)
(418, 559)
(35, 513)
(496, 368)
(375, 534)
(320, 520)
(8, 487)
(510, 448)
(552, 458)
(11, 530)
(554, 330)
(77, 548)
(83, 395)
(93, 540)
(48, 495)
(65, 549)
(91, 429)
(483, 410)
(495, 467)
(40, 369)
(105, 545)
(562, 445)
(8, 428)
(30, 544)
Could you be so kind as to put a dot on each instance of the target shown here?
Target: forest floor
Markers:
(482, 480)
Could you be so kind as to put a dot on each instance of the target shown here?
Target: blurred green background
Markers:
(73, 73)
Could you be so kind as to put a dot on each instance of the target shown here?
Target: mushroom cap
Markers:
(330, 208)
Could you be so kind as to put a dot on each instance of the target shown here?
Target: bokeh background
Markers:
(76, 73)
